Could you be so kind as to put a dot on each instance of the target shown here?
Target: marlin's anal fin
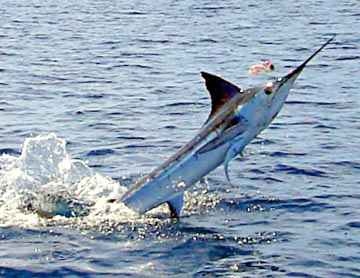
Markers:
(175, 205)
(220, 91)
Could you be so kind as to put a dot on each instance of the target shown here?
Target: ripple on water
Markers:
(100, 152)
(299, 205)
(9, 151)
(292, 170)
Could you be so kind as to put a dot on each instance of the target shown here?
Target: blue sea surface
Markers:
(95, 94)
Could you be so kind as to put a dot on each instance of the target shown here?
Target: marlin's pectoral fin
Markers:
(226, 168)
(175, 205)
(226, 136)
(234, 149)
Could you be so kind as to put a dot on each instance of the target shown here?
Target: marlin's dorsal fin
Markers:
(220, 91)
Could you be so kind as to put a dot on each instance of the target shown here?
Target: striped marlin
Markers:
(237, 117)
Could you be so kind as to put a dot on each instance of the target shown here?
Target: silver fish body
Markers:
(236, 118)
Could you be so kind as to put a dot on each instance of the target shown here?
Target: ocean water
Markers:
(95, 94)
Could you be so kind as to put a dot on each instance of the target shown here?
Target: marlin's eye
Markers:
(268, 91)
(268, 88)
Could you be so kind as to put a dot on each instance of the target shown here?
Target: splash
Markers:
(44, 185)
(45, 182)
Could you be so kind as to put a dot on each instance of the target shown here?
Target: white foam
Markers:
(43, 172)
(46, 181)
